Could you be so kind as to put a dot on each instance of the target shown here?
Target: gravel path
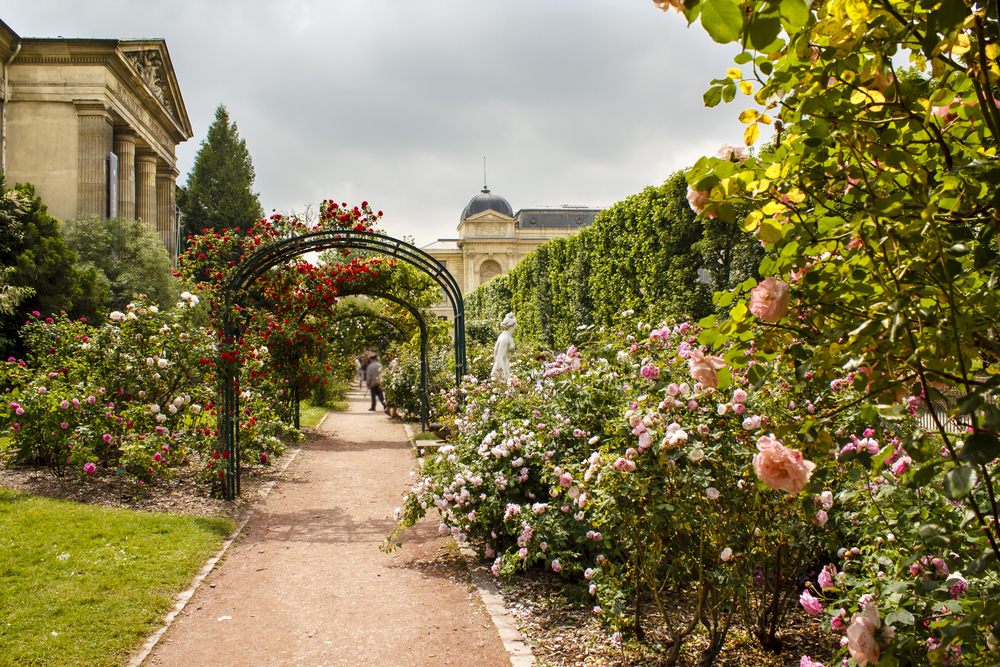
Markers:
(306, 584)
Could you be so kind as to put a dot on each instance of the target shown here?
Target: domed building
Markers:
(492, 238)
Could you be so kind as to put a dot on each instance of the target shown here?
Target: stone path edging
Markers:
(183, 598)
(518, 650)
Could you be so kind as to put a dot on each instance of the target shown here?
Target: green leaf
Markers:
(794, 13)
(712, 96)
(935, 536)
(764, 30)
(743, 58)
(924, 474)
(959, 482)
(722, 20)
(980, 448)
(757, 374)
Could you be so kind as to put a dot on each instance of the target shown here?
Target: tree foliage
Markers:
(219, 191)
(132, 260)
(643, 253)
(31, 244)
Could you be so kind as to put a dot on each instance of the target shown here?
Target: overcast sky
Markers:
(398, 101)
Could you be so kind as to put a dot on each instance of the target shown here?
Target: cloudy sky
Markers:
(398, 101)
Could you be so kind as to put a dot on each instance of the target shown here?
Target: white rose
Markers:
(712, 493)
(154, 408)
(696, 455)
(173, 409)
(162, 363)
(154, 309)
(726, 555)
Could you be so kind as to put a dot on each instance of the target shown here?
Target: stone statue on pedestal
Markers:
(502, 350)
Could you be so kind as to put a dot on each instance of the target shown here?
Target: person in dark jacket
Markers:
(373, 379)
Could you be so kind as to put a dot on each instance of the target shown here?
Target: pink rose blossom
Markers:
(770, 299)
(806, 661)
(64, 405)
(826, 576)
(703, 369)
(810, 604)
(106, 437)
(861, 636)
(698, 201)
(821, 518)
(89, 468)
(780, 467)
(556, 566)
(664, 5)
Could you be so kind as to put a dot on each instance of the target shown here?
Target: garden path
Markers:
(308, 585)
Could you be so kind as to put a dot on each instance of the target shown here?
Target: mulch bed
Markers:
(564, 634)
(186, 491)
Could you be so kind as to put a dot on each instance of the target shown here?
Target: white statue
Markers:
(503, 349)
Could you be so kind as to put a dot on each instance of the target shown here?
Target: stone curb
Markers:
(518, 651)
(183, 598)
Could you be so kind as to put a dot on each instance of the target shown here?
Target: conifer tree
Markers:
(219, 194)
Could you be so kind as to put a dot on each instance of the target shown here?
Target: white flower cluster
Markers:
(190, 299)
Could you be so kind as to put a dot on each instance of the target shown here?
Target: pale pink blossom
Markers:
(806, 661)
(728, 152)
(821, 518)
(698, 201)
(780, 467)
(676, 5)
(810, 604)
(726, 555)
(770, 299)
(826, 576)
(861, 636)
(703, 369)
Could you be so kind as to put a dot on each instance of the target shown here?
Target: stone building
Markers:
(93, 124)
(492, 239)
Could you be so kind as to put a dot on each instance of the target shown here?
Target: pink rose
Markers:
(810, 604)
(769, 300)
(703, 368)
(806, 661)
(780, 467)
(698, 201)
(826, 576)
(664, 5)
(861, 636)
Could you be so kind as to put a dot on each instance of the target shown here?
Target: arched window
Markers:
(487, 270)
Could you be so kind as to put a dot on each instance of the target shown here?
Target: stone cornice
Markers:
(146, 83)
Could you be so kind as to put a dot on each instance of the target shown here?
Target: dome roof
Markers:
(486, 201)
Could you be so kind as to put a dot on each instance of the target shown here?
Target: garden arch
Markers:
(259, 263)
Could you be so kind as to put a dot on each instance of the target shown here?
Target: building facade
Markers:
(94, 125)
(492, 239)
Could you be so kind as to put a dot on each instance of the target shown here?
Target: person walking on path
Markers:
(374, 381)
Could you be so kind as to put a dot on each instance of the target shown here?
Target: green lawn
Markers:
(83, 585)
(309, 416)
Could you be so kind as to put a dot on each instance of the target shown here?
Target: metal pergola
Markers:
(258, 264)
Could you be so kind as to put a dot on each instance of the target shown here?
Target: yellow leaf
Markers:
(962, 45)
(774, 171)
(764, 118)
(748, 116)
(857, 10)
(859, 96)
(763, 185)
(746, 87)
(734, 74)
(796, 196)
(992, 51)
(751, 222)
(773, 208)
(751, 134)
(768, 232)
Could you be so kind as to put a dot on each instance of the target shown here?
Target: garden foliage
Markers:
(642, 253)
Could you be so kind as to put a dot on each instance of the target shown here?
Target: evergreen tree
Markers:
(218, 193)
(31, 244)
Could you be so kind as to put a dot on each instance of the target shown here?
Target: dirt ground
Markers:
(306, 584)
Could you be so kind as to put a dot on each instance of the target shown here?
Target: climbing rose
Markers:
(89, 468)
(810, 604)
(712, 493)
(703, 368)
(826, 576)
(806, 661)
(726, 555)
(780, 467)
(861, 638)
(769, 300)
(556, 566)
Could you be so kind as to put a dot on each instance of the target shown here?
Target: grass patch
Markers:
(426, 436)
(309, 415)
(83, 585)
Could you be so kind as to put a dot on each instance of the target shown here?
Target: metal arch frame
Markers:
(255, 266)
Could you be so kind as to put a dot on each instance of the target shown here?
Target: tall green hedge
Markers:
(642, 253)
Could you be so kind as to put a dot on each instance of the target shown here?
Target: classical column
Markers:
(145, 188)
(125, 150)
(166, 180)
(95, 144)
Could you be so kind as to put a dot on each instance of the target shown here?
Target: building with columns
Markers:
(94, 124)
(492, 239)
